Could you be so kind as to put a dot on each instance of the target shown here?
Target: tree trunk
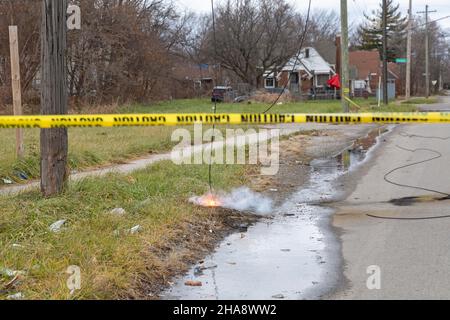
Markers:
(54, 142)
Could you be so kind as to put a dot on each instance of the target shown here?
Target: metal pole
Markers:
(345, 77)
(385, 57)
(408, 54)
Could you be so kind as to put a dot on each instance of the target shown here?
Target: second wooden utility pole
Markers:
(408, 53)
(345, 76)
(385, 55)
(427, 52)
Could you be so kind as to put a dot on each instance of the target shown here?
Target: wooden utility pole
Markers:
(345, 77)
(427, 52)
(408, 53)
(54, 142)
(385, 55)
(16, 87)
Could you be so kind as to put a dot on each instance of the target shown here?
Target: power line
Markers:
(358, 7)
(215, 100)
(431, 21)
(297, 59)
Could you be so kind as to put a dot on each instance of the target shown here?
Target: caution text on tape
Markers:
(121, 120)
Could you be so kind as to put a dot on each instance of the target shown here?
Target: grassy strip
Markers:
(318, 106)
(112, 261)
(89, 147)
(415, 101)
(95, 147)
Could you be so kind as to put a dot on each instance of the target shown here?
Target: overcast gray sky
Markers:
(356, 7)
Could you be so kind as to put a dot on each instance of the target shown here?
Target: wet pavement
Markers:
(395, 224)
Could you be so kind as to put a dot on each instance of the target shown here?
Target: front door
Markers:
(294, 82)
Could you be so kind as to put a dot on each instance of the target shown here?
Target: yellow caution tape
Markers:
(135, 120)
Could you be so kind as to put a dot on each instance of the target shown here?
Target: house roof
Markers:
(365, 62)
(327, 49)
(314, 64)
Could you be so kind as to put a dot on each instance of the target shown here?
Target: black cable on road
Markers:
(410, 135)
(438, 156)
(411, 219)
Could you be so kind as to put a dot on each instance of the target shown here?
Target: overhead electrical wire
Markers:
(215, 100)
(303, 37)
(429, 22)
(297, 58)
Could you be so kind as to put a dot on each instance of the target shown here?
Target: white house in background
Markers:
(307, 71)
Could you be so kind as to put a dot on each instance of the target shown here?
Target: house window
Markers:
(270, 83)
(322, 79)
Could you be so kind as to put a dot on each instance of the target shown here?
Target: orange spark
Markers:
(211, 201)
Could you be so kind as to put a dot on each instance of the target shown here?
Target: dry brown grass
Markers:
(268, 98)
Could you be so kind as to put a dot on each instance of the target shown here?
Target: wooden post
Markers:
(54, 142)
(16, 88)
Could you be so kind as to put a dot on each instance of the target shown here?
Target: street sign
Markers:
(401, 60)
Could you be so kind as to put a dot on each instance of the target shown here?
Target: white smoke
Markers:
(240, 199)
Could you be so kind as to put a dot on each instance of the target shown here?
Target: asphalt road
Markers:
(413, 256)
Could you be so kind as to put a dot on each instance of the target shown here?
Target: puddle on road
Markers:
(285, 257)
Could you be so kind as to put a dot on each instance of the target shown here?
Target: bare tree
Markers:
(252, 36)
(26, 15)
(125, 49)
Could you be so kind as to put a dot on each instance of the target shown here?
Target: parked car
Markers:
(222, 94)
